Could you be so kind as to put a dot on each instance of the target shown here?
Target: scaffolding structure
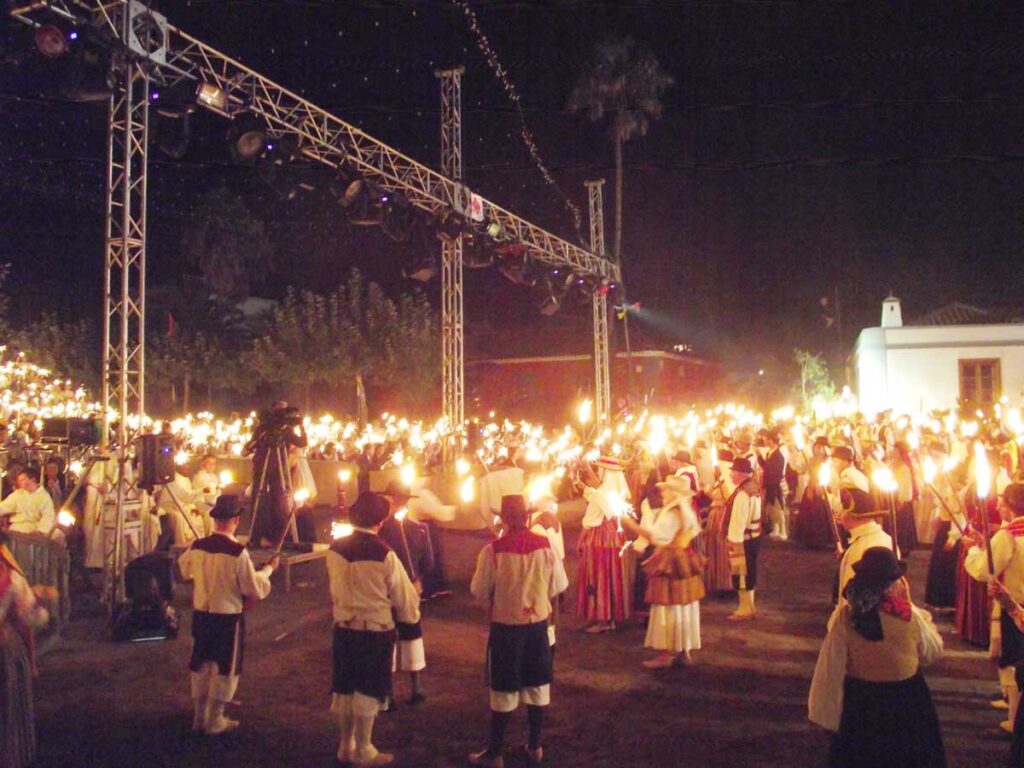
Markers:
(147, 52)
(452, 306)
(602, 366)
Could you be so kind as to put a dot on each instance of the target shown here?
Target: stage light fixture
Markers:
(247, 138)
(450, 224)
(477, 251)
(514, 264)
(494, 229)
(88, 77)
(363, 200)
(212, 95)
(397, 217)
(50, 41)
(549, 292)
(175, 100)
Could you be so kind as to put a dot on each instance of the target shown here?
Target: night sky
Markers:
(805, 146)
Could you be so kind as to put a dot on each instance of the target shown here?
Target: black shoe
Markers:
(418, 697)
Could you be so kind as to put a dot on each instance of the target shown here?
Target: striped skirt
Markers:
(717, 573)
(973, 606)
(601, 587)
(17, 720)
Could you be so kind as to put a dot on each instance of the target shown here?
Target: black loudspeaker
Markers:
(156, 460)
(75, 432)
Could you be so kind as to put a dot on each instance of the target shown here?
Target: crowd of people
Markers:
(676, 510)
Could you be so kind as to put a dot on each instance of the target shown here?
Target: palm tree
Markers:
(624, 82)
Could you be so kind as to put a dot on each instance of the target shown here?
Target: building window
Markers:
(980, 382)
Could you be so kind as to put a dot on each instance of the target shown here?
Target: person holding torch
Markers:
(743, 535)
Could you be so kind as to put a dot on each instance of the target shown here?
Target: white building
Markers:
(955, 355)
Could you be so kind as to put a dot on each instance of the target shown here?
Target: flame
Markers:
(884, 480)
(930, 470)
(825, 474)
(226, 478)
(982, 471)
(181, 458)
(407, 474)
(467, 491)
(584, 411)
(344, 476)
(539, 488)
(461, 467)
(400, 514)
(301, 495)
(76, 467)
(65, 519)
(340, 530)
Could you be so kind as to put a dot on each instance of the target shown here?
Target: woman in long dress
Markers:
(601, 586)
(907, 493)
(717, 571)
(813, 527)
(868, 688)
(19, 615)
(674, 581)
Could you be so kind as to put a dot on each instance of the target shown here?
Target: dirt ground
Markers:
(743, 704)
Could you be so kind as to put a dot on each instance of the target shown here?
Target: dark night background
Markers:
(805, 146)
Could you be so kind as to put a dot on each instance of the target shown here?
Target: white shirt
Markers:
(31, 512)
(520, 575)
(510, 481)
(205, 484)
(746, 511)
(223, 574)
(825, 701)
(367, 582)
(1007, 557)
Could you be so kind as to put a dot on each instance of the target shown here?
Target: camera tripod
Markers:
(262, 487)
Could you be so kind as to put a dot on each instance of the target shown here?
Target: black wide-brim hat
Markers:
(225, 508)
(879, 566)
(368, 510)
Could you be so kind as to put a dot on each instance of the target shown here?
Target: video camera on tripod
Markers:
(274, 424)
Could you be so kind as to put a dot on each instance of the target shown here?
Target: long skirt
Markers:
(940, 588)
(887, 725)
(601, 593)
(812, 528)
(906, 528)
(17, 719)
(717, 574)
(674, 628)
(973, 606)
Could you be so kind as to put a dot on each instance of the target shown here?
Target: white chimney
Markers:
(892, 317)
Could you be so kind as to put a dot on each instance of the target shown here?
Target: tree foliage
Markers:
(227, 243)
(70, 350)
(815, 379)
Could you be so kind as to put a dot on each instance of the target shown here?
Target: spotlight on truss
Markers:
(477, 251)
(50, 40)
(247, 137)
(450, 224)
(548, 292)
(494, 229)
(514, 264)
(363, 200)
(212, 96)
(397, 217)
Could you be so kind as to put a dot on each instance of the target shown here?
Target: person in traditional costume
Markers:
(973, 610)
(544, 522)
(940, 587)
(773, 467)
(410, 541)
(743, 531)
(1007, 548)
(370, 592)
(858, 515)
(601, 586)
(225, 581)
(206, 483)
(675, 582)
(867, 687)
(30, 507)
(20, 614)
(718, 571)
(519, 575)
(813, 529)
(907, 493)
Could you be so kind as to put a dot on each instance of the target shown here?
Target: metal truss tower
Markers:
(602, 367)
(452, 307)
(147, 51)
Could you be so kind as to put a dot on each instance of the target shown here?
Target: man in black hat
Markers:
(743, 527)
(370, 591)
(410, 540)
(773, 466)
(519, 575)
(225, 580)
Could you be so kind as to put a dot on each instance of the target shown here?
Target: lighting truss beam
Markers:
(323, 137)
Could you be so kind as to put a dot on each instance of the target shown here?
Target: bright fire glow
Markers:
(467, 491)
(344, 475)
(340, 530)
(584, 411)
(301, 495)
(825, 474)
(226, 478)
(65, 519)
